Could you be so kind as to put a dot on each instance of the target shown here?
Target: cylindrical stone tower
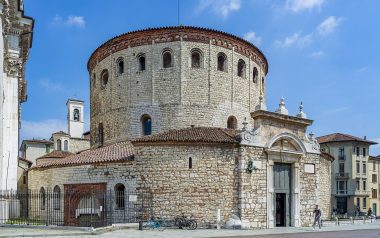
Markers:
(158, 79)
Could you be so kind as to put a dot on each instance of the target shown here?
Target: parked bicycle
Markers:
(153, 223)
(184, 222)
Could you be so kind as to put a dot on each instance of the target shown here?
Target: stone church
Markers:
(180, 112)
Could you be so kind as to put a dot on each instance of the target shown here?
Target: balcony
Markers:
(341, 192)
(341, 157)
(342, 176)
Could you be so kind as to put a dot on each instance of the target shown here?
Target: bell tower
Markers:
(75, 118)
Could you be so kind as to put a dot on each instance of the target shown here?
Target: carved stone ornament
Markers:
(313, 142)
(13, 66)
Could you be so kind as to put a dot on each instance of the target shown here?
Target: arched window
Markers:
(241, 68)
(167, 59)
(56, 198)
(262, 84)
(76, 115)
(120, 66)
(196, 58)
(141, 62)
(232, 122)
(120, 196)
(222, 62)
(255, 74)
(42, 198)
(65, 145)
(146, 123)
(100, 134)
(104, 78)
(59, 144)
(190, 163)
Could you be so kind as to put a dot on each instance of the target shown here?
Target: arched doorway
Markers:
(283, 176)
(85, 204)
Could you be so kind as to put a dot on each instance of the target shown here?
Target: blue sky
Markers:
(325, 53)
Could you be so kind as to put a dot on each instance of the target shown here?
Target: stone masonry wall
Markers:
(253, 193)
(324, 187)
(175, 97)
(210, 184)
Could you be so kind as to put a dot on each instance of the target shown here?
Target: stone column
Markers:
(270, 194)
(295, 195)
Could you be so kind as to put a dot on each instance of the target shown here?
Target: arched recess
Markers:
(287, 142)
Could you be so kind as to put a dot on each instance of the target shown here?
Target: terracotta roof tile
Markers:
(111, 153)
(194, 134)
(56, 154)
(339, 137)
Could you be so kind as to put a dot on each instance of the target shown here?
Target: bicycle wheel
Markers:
(193, 225)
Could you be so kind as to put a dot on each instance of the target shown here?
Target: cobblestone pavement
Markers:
(344, 231)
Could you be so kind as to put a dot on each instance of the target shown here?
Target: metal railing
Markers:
(342, 175)
(93, 209)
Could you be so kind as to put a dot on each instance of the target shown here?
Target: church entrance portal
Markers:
(282, 190)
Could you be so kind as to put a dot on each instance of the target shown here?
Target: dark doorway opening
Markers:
(341, 205)
(282, 194)
(280, 209)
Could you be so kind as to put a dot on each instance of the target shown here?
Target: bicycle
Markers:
(184, 222)
(153, 223)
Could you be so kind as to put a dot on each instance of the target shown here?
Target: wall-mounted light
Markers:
(250, 167)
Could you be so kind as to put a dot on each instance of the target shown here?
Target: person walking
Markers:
(369, 213)
(317, 217)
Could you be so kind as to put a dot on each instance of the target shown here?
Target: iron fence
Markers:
(92, 209)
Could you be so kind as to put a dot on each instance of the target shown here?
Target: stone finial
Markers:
(301, 114)
(261, 105)
(245, 123)
(311, 136)
(281, 107)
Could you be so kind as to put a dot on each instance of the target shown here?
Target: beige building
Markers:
(179, 113)
(351, 177)
(374, 185)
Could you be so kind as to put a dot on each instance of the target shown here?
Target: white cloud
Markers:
(252, 37)
(295, 39)
(323, 29)
(301, 5)
(361, 70)
(317, 54)
(335, 110)
(41, 129)
(328, 25)
(51, 86)
(77, 21)
(220, 7)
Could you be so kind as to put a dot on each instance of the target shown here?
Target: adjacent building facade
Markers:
(352, 171)
(15, 41)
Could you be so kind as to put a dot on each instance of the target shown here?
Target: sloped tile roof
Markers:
(111, 153)
(56, 154)
(194, 134)
(339, 137)
(25, 160)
